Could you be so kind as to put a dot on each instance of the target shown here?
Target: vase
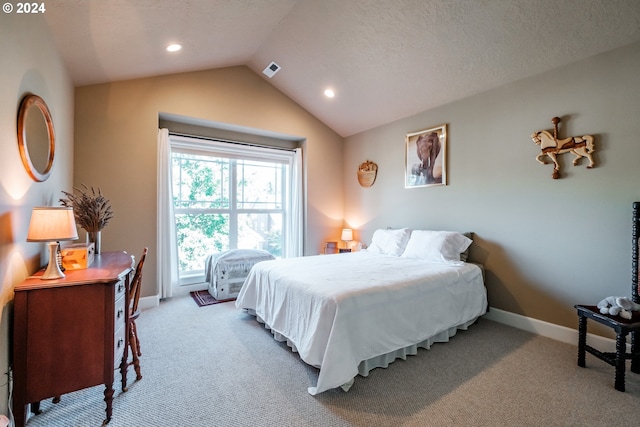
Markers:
(95, 237)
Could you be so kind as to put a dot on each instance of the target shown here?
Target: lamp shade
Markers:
(52, 223)
(347, 235)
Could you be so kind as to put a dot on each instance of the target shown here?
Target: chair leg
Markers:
(135, 352)
(135, 332)
(124, 366)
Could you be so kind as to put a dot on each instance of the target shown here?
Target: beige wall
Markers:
(30, 64)
(116, 137)
(547, 244)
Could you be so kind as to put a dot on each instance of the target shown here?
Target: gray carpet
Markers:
(216, 366)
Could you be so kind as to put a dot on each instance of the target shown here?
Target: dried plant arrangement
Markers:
(90, 208)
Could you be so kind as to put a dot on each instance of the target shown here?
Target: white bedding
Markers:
(339, 310)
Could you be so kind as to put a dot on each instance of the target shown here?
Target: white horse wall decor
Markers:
(551, 146)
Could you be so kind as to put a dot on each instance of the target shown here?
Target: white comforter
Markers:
(338, 310)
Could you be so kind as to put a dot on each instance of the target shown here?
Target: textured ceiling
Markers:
(385, 59)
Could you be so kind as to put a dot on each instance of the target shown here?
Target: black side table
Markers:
(622, 328)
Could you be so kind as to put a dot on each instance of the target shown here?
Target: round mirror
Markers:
(36, 138)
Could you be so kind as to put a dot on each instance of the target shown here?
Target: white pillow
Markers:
(436, 246)
(389, 242)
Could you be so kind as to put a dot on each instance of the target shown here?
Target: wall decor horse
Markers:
(551, 146)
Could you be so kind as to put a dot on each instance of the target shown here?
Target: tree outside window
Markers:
(225, 203)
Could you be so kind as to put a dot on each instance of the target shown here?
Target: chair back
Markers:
(136, 283)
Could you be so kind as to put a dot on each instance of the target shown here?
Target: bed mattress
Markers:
(339, 310)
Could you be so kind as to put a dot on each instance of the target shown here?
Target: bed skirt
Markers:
(384, 360)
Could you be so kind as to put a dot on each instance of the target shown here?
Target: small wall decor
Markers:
(426, 157)
(367, 173)
(580, 146)
(36, 137)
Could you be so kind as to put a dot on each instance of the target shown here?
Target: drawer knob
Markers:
(120, 342)
(120, 313)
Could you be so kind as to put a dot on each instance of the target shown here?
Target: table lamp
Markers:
(51, 224)
(347, 236)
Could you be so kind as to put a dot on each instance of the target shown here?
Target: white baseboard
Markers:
(549, 330)
(149, 302)
(179, 291)
(183, 290)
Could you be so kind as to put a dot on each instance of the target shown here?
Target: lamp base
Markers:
(53, 269)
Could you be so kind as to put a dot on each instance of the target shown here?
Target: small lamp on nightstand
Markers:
(347, 236)
(51, 224)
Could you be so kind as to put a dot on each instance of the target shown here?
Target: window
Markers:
(229, 196)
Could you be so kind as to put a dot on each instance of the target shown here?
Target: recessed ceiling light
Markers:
(329, 93)
(174, 47)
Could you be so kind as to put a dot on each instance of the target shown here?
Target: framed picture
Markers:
(426, 157)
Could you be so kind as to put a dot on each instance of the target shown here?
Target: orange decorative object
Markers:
(78, 256)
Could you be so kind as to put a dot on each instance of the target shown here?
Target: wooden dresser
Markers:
(70, 333)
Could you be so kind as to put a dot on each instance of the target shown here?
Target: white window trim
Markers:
(293, 234)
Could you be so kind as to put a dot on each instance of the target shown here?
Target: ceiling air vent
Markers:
(271, 69)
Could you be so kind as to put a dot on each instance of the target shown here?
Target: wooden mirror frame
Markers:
(26, 104)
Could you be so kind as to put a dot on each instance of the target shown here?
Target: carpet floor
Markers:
(219, 367)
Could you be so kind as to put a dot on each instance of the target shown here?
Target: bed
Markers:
(351, 312)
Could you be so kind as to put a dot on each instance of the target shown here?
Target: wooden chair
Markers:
(622, 327)
(133, 343)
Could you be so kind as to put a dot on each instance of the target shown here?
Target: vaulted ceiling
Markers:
(385, 59)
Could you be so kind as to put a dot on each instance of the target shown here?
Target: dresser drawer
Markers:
(119, 314)
(119, 343)
(121, 286)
